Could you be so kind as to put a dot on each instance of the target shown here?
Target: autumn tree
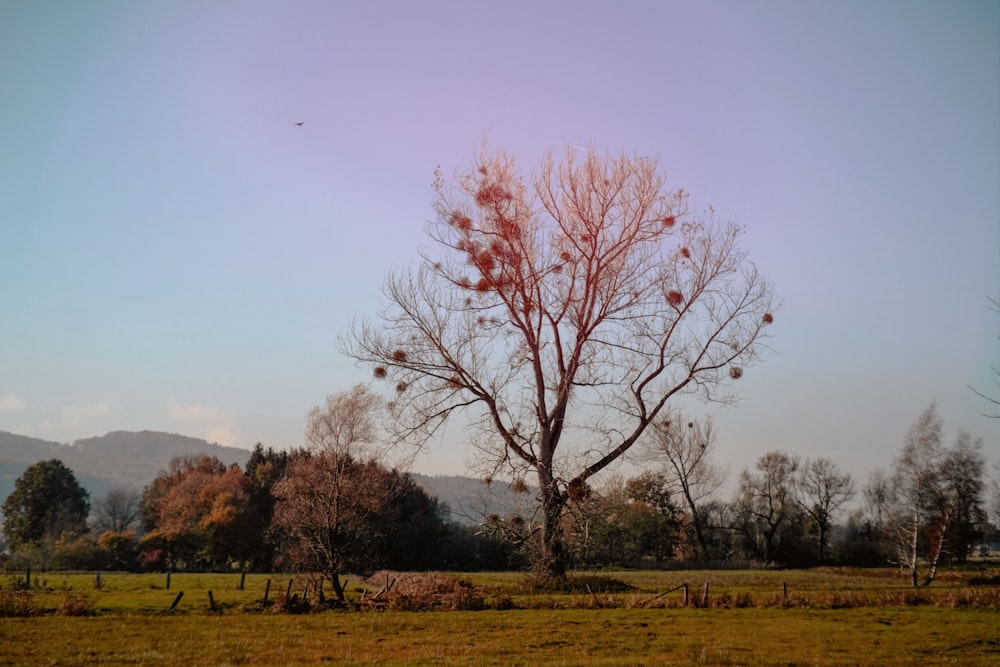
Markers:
(196, 511)
(822, 490)
(337, 506)
(684, 448)
(560, 313)
(47, 503)
(337, 513)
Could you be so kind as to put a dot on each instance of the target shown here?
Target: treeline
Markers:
(284, 510)
(326, 509)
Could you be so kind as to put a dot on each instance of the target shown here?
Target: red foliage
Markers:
(675, 298)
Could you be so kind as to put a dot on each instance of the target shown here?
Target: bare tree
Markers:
(995, 305)
(119, 511)
(963, 484)
(766, 501)
(560, 314)
(878, 498)
(334, 513)
(334, 504)
(993, 504)
(916, 482)
(347, 425)
(685, 449)
(822, 490)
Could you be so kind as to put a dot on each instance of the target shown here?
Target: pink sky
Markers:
(178, 255)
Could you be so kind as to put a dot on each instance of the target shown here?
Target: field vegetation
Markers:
(825, 616)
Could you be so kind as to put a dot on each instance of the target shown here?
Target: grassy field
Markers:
(828, 617)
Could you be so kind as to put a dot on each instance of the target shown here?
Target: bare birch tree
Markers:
(915, 485)
(560, 313)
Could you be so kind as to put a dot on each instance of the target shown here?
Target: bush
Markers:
(16, 604)
(421, 592)
(76, 604)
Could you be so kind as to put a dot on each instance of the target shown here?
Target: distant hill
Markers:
(132, 460)
(118, 459)
(470, 500)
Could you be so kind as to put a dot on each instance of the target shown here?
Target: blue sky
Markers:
(178, 255)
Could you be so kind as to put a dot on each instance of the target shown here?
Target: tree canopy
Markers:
(561, 312)
(47, 503)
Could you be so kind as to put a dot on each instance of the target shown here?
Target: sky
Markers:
(177, 254)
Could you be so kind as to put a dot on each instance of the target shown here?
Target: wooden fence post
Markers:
(211, 601)
(267, 589)
(685, 595)
(784, 589)
(177, 599)
(705, 599)
(243, 579)
(168, 580)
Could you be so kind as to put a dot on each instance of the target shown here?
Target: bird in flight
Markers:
(301, 123)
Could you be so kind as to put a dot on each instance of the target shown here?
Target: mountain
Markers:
(132, 460)
(118, 459)
(470, 500)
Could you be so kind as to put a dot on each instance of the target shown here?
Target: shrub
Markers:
(16, 603)
(420, 592)
(76, 604)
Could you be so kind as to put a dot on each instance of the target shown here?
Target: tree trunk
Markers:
(338, 588)
(913, 554)
(551, 561)
(937, 545)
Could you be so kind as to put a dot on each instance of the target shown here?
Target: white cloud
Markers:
(96, 410)
(10, 403)
(73, 422)
(209, 422)
(192, 413)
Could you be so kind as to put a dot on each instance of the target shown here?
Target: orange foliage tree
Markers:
(196, 512)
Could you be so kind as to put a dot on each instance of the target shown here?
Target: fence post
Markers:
(243, 579)
(267, 589)
(27, 577)
(705, 599)
(288, 591)
(177, 599)
(211, 601)
(97, 581)
(168, 580)
(784, 589)
(685, 595)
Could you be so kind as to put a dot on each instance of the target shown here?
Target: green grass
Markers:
(830, 617)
